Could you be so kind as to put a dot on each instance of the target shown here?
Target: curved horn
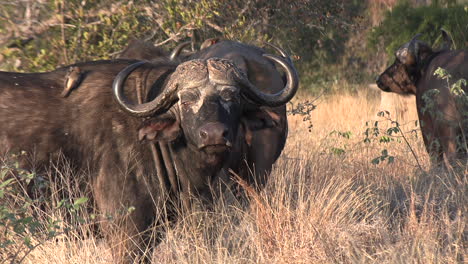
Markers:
(160, 104)
(281, 97)
(177, 50)
(413, 45)
(415, 37)
(280, 51)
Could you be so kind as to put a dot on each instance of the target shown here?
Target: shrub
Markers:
(71, 31)
(404, 21)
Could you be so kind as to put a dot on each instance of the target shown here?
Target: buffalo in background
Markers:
(193, 110)
(442, 110)
(144, 50)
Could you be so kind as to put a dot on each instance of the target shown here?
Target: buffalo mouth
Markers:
(385, 89)
(214, 155)
(382, 86)
(216, 149)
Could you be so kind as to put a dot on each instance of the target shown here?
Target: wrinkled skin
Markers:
(442, 118)
(264, 129)
(91, 130)
(396, 79)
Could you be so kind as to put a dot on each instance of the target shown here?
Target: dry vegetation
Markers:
(325, 203)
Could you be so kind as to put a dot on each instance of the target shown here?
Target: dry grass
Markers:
(325, 203)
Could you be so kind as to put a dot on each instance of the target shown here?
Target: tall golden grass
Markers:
(325, 202)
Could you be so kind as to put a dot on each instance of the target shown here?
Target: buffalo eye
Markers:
(186, 103)
(229, 94)
(188, 97)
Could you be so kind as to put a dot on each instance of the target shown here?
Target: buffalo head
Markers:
(402, 75)
(203, 100)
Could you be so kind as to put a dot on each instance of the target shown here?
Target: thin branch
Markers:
(175, 36)
(214, 26)
(62, 31)
(407, 144)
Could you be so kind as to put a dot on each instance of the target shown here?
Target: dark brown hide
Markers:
(396, 79)
(442, 114)
(264, 128)
(92, 130)
(142, 50)
(145, 50)
(444, 124)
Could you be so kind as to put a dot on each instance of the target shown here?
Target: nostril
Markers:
(225, 133)
(203, 134)
(214, 133)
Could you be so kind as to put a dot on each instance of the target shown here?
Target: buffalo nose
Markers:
(213, 134)
(378, 82)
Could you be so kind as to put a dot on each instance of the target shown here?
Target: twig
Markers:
(62, 31)
(409, 145)
(34, 247)
(175, 36)
(214, 26)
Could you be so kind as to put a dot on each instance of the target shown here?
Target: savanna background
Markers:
(354, 183)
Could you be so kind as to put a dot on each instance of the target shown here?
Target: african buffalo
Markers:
(145, 50)
(141, 50)
(192, 110)
(442, 111)
(265, 126)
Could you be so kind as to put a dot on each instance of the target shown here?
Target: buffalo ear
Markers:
(259, 119)
(406, 56)
(160, 128)
(447, 40)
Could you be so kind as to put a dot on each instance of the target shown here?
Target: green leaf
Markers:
(385, 139)
(338, 151)
(6, 183)
(79, 202)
